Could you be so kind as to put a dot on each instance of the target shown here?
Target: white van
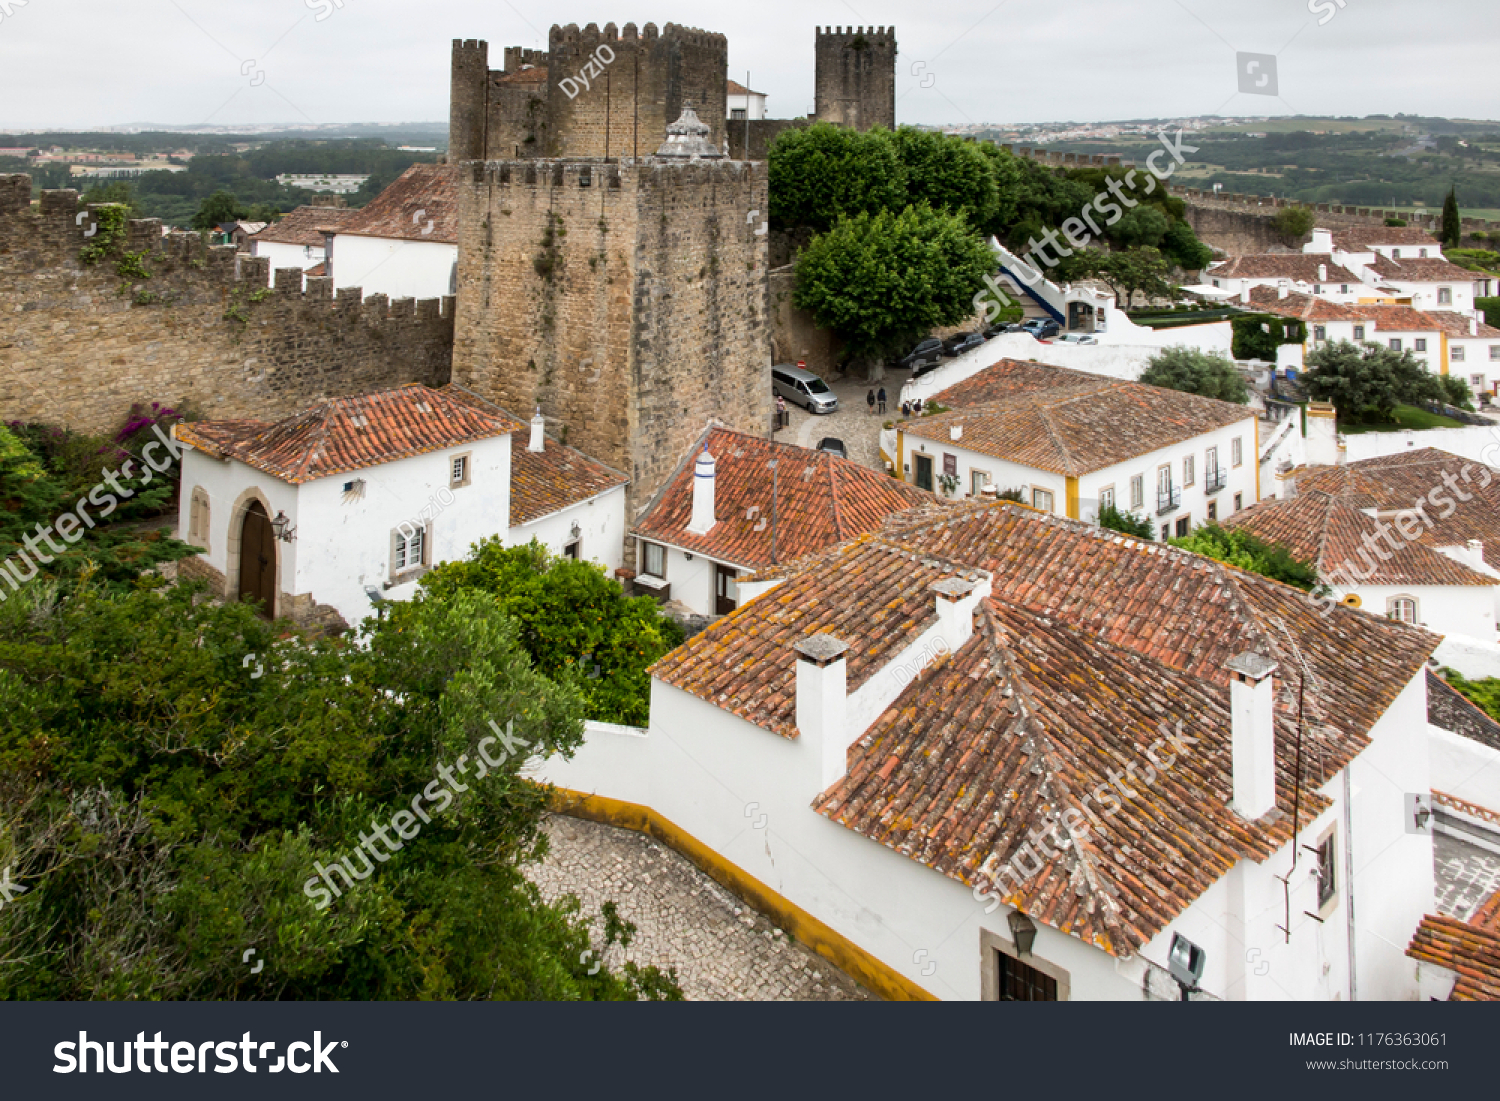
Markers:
(803, 388)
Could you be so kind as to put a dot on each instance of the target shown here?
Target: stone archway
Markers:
(265, 579)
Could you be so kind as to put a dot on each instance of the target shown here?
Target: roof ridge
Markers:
(1070, 468)
(833, 493)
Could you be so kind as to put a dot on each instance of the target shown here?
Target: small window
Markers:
(1189, 474)
(1495, 351)
(1403, 608)
(1019, 982)
(1183, 525)
(1421, 252)
(1456, 353)
(1317, 288)
(1137, 491)
(1445, 296)
(571, 550)
(1343, 288)
(1359, 332)
(1236, 451)
(1213, 510)
(460, 470)
(1166, 532)
(1107, 497)
(1327, 865)
(1395, 254)
(1476, 381)
(737, 113)
(655, 561)
(1419, 344)
(1320, 333)
(1395, 343)
(408, 549)
(1239, 501)
(1042, 499)
(978, 479)
(198, 518)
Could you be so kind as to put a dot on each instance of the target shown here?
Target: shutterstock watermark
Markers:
(439, 794)
(71, 525)
(1029, 270)
(593, 67)
(1044, 843)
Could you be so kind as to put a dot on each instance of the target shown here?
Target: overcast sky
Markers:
(82, 63)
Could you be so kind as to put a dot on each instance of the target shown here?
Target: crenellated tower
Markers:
(856, 76)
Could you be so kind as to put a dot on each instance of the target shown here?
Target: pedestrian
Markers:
(780, 411)
(880, 397)
(870, 400)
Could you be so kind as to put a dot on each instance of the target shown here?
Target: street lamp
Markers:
(1022, 931)
(1185, 961)
(282, 526)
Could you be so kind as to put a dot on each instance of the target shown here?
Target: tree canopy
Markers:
(947, 175)
(1367, 382)
(1452, 225)
(1196, 372)
(178, 784)
(825, 172)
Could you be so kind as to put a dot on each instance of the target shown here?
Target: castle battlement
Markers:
(879, 36)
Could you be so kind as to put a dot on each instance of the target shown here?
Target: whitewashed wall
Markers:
(1464, 768)
(283, 255)
(601, 522)
(1479, 443)
(397, 268)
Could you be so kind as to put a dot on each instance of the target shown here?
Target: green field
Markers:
(1407, 416)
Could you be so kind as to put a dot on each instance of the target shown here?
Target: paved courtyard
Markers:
(852, 422)
(722, 949)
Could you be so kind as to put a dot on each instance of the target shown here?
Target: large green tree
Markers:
(1196, 372)
(1367, 382)
(947, 173)
(574, 623)
(179, 785)
(880, 280)
(821, 173)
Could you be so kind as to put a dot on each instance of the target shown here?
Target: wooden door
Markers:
(725, 595)
(258, 559)
(924, 471)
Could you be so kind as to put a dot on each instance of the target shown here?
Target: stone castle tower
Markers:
(856, 76)
(592, 93)
(625, 297)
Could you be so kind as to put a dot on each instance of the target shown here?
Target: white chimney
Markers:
(1245, 293)
(1476, 554)
(1282, 290)
(955, 431)
(956, 599)
(703, 495)
(1322, 273)
(1320, 443)
(822, 703)
(1474, 325)
(1252, 701)
(538, 431)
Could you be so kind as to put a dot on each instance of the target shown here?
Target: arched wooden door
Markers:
(258, 559)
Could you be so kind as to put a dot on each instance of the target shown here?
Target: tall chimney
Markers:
(822, 703)
(703, 495)
(1282, 290)
(1322, 273)
(955, 612)
(538, 432)
(1245, 293)
(1252, 704)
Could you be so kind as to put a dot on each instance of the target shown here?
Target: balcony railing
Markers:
(1213, 480)
(1168, 500)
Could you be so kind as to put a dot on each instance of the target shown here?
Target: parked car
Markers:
(959, 343)
(996, 330)
(924, 368)
(833, 447)
(930, 351)
(1041, 327)
(803, 388)
(1076, 338)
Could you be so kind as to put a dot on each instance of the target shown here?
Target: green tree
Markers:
(1257, 336)
(1238, 547)
(947, 173)
(1005, 168)
(1196, 372)
(1452, 226)
(1145, 225)
(115, 191)
(1456, 392)
(1134, 270)
(177, 783)
(824, 172)
(1126, 522)
(1182, 247)
(1483, 693)
(881, 280)
(1293, 223)
(218, 208)
(575, 623)
(1367, 382)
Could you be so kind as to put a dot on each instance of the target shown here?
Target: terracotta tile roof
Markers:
(735, 88)
(1364, 238)
(301, 226)
(1427, 269)
(1399, 319)
(318, 270)
(1013, 378)
(1072, 428)
(1305, 307)
(1449, 709)
(1301, 266)
(1488, 915)
(1100, 639)
(1396, 483)
(1330, 533)
(1472, 952)
(546, 481)
(423, 198)
(820, 500)
(345, 434)
(1457, 324)
(527, 74)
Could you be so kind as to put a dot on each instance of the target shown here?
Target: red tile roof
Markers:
(1331, 534)
(301, 226)
(735, 88)
(1089, 643)
(546, 481)
(1423, 270)
(1364, 238)
(1075, 426)
(1457, 324)
(420, 205)
(528, 74)
(1400, 482)
(345, 434)
(820, 500)
(1305, 307)
(1399, 319)
(1301, 266)
(1471, 951)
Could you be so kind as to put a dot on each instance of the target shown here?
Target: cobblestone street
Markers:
(723, 950)
(852, 422)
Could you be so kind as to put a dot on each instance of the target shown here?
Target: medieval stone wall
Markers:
(855, 81)
(626, 300)
(752, 142)
(79, 343)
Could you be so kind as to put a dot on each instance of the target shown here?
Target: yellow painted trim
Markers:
(1072, 497)
(837, 949)
(1443, 336)
(900, 455)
